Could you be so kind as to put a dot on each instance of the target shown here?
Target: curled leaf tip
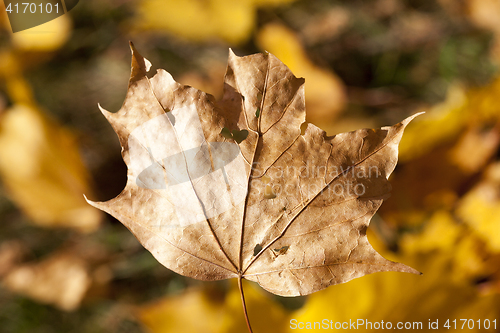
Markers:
(140, 65)
(90, 202)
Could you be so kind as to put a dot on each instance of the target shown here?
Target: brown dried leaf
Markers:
(231, 189)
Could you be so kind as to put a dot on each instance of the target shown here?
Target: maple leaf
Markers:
(231, 189)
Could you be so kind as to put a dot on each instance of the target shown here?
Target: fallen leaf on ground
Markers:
(42, 170)
(475, 148)
(445, 122)
(176, 313)
(328, 26)
(442, 123)
(452, 145)
(214, 312)
(61, 280)
(480, 208)
(232, 21)
(45, 37)
(378, 298)
(11, 252)
(199, 172)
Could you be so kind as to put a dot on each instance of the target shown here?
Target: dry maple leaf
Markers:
(231, 189)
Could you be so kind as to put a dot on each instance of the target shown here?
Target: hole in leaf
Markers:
(236, 135)
(239, 136)
(257, 249)
(268, 190)
(303, 127)
(226, 133)
(269, 193)
(281, 250)
(257, 113)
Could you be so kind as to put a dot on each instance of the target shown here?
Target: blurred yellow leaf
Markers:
(433, 296)
(325, 92)
(17, 87)
(475, 148)
(444, 235)
(452, 143)
(441, 232)
(470, 261)
(483, 104)
(205, 310)
(444, 122)
(193, 311)
(480, 208)
(266, 314)
(44, 37)
(440, 123)
(42, 170)
(233, 21)
(61, 280)
(484, 14)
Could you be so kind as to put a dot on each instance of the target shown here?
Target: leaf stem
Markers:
(240, 286)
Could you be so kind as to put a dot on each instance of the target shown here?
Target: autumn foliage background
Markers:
(64, 266)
